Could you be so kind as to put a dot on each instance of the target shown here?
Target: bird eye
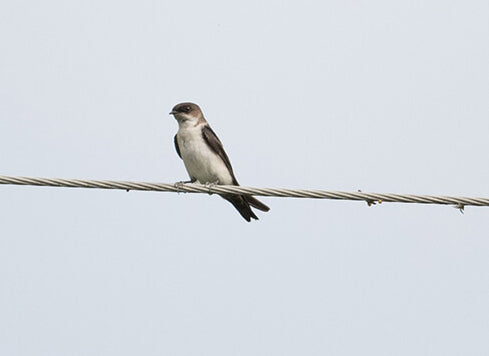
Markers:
(187, 109)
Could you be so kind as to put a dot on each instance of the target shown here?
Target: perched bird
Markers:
(205, 158)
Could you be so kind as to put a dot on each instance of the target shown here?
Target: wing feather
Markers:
(175, 140)
(215, 144)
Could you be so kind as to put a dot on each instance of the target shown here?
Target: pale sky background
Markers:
(383, 96)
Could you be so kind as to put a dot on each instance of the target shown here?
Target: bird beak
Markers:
(173, 112)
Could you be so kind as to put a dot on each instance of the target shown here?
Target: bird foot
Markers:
(180, 184)
(211, 185)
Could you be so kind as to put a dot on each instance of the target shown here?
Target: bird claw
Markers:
(180, 184)
(211, 185)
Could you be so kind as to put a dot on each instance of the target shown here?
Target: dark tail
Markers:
(255, 203)
(242, 204)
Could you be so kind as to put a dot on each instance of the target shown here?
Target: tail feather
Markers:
(255, 203)
(243, 204)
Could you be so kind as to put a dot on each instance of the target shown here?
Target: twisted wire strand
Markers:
(370, 198)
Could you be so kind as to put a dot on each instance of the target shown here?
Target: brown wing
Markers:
(175, 140)
(215, 144)
(241, 202)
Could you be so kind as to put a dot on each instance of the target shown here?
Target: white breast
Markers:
(200, 161)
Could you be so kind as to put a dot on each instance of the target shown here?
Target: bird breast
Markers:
(200, 161)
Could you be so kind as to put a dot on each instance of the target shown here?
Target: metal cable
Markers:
(370, 198)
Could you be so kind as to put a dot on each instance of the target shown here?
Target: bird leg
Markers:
(210, 185)
(180, 184)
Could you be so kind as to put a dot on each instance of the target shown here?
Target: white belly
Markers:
(200, 161)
